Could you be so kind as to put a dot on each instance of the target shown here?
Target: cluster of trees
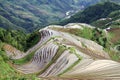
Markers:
(19, 39)
(101, 38)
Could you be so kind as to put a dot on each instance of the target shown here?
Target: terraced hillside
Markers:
(61, 55)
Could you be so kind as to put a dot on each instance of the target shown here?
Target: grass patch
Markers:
(114, 55)
(8, 73)
(73, 50)
(24, 60)
(70, 67)
(2, 54)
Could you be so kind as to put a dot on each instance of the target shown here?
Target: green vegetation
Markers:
(23, 60)
(112, 20)
(86, 33)
(118, 47)
(2, 53)
(115, 41)
(8, 73)
(70, 67)
(60, 50)
(28, 57)
(92, 13)
(30, 15)
(95, 34)
(72, 50)
(102, 23)
(32, 39)
(19, 39)
(107, 40)
(115, 14)
(113, 54)
(15, 38)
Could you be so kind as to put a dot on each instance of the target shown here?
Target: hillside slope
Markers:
(60, 54)
(93, 13)
(30, 15)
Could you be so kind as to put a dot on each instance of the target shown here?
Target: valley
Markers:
(31, 15)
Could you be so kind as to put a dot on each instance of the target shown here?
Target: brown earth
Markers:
(116, 34)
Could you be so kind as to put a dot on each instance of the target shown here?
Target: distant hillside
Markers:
(93, 13)
(117, 1)
(112, 20)
(31, 14)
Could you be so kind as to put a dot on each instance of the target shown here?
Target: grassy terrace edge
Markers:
(28, 57)
(73, 51)
(60, 50)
